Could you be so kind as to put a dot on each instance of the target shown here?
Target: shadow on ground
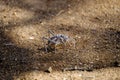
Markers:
(13, 60)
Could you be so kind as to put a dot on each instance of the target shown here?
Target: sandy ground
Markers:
(102, 74)
(93, 24)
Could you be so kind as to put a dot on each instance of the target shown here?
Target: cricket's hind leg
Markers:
(51, 32)
(45, 46)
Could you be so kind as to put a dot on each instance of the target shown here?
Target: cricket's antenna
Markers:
(51, 32)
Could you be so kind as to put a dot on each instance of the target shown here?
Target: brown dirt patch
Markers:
(94, 24)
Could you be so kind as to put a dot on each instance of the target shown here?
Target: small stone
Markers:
(118, 65)
(31, 37)
(76, 67)
(49, 70)
(5, 16)
(14, 13)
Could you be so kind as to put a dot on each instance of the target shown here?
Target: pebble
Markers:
(49, 70)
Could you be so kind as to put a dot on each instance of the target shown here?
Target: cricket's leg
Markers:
(64, 47)
(55, 50)
(44, 44)
(51, 32)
